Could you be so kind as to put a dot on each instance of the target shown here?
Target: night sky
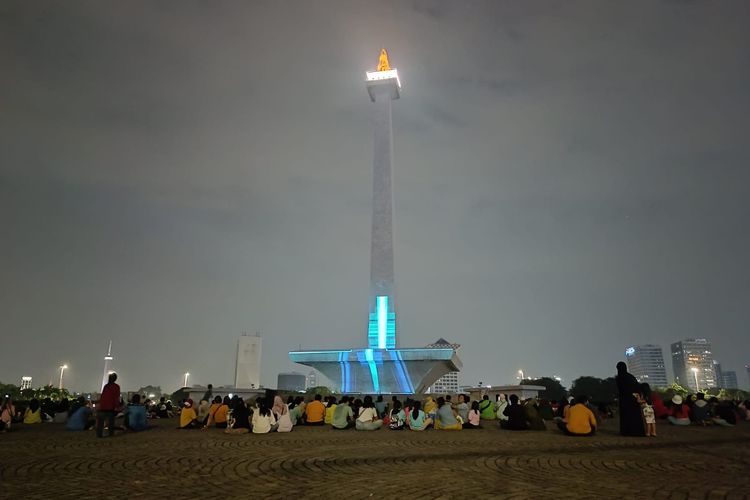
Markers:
(570, 178)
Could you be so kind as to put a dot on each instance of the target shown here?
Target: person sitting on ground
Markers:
(163, 409)
(501, 403)
(581, 420)
(531, 409)
(380, 406)
(264, 421)
(744, 410)
(61, 410)
(188, 417)
(7, 414)
(516, 416)
(33, 413)
(330, 409)
(213, 416)
(430, 407)
(315, 413)
(700, 413)
(418, 419)
(368, 416)
(486, 408)
(343, 416)
(396, 416)
(281, 413)
(135, 415)
(562, 409)
(446, 417)
(660, 409)
(722, 412)
(473, 417)
(240, 417)
(463, 407)
(82, 419)
(48, 410)
(679, 413)
(203, 410)
(545, 410)
(297, 413)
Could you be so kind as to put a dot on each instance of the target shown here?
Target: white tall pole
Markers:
(186, 379)
(62, 371)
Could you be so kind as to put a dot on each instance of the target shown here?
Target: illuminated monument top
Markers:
(382, 367)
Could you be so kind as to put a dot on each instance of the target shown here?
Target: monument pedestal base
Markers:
(381, 371)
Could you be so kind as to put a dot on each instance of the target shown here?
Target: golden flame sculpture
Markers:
(383, 64)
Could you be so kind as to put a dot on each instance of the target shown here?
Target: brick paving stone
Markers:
(47, 461)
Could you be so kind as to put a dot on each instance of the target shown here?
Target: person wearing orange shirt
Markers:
(217, 413)
(580, 419)
(315, 413)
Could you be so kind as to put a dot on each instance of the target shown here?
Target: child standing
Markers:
(649, 417)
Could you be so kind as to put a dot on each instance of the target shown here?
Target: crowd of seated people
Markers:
(573, 417)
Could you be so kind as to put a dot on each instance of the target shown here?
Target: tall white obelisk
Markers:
(383, 86)
(107, 365)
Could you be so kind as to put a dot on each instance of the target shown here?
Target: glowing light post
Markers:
(186, 379)
(695, 374)
(520, 375)
(62, 371)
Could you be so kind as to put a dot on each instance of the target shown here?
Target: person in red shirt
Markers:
(109, 404)
(679, 413)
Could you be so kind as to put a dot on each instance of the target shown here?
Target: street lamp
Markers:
(62, 371)
(520, 375)
(695, 374)
(186, 379)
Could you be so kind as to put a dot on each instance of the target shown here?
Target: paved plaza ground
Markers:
(46, 461)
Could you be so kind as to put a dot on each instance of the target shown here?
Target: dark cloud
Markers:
(570, 179)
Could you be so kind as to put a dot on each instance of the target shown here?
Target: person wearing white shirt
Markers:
(368, 417)
(263, 419)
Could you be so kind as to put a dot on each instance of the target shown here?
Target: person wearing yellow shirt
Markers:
(188, 417)
(33, 414)
(329, 410)
(580, 421)
(217, 413)
(315, 413)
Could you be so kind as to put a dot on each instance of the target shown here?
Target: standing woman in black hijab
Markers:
(631, 420)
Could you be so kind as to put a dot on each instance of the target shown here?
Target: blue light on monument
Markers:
(373, 370)
(382, 309)
(381, 331)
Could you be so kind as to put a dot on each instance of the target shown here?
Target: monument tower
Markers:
(383, 86)
(107, 365)
(382, 367)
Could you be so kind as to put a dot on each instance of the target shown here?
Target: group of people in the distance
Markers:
(639, 410)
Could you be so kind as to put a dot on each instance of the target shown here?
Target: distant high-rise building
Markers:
(25, 383)
(646, 363)
(448, 383)
(292, 381)
(312, 379)
(729, 380)
(247, 367)
(718, 373)
(693, 362)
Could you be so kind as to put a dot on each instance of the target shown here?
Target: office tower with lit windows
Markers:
(646, 363)
(693, 364)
